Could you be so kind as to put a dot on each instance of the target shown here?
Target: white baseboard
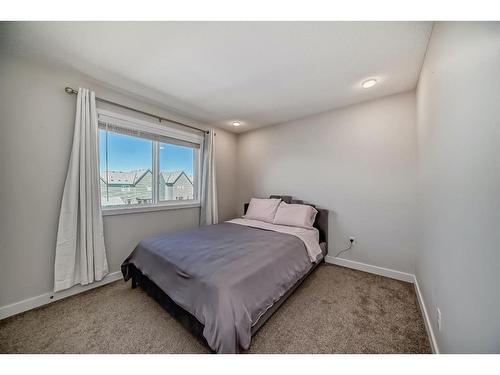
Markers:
(428, 325)
(34, 302)
(393, 274)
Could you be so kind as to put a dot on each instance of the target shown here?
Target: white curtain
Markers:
(80, 252)
(209, 212)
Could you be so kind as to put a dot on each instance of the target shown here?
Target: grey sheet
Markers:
(226, 275)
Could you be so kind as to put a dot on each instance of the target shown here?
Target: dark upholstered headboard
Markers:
(321, 222)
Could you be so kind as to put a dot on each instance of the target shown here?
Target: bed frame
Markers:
(189, 321)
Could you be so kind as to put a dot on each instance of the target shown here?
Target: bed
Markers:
(224, 281)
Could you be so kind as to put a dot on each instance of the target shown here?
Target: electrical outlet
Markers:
(439, 321)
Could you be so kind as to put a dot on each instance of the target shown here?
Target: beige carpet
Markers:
(336, 310)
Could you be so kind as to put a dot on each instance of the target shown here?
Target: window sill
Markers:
(158, 207)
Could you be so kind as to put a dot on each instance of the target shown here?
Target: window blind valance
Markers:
(162, 132)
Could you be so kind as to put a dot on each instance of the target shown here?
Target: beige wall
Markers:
(37, 119)
(227, 174)
(458, 111)
(359, 161)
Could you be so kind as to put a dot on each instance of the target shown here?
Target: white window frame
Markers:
(163, 129)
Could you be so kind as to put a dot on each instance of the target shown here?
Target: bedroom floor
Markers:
(336, 310)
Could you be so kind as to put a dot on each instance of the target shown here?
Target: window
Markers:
(145, 164)
(125, 169)
(176, 172)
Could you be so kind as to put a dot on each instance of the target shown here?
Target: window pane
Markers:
(177, 171)
(125, 169)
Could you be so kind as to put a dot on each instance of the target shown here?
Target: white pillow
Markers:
(262, 209)
(297, 215)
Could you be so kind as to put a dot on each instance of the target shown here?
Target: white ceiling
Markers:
(260, 73)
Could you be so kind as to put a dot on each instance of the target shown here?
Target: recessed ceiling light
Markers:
(236, 123)
(369, 83)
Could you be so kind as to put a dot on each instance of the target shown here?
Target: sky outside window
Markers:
(176, 158)
(126, 153)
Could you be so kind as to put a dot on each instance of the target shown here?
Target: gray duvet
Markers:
(226, 275)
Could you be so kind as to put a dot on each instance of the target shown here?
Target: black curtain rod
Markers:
(72, 91)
